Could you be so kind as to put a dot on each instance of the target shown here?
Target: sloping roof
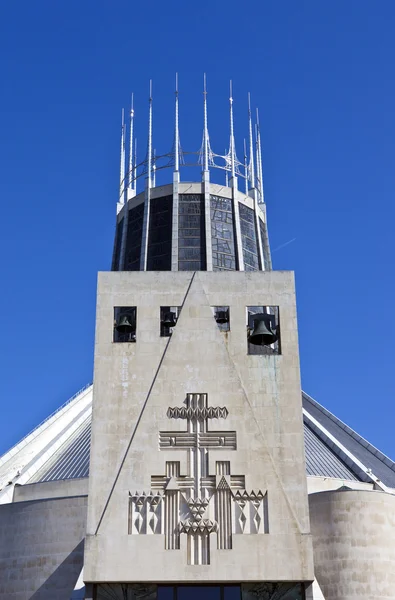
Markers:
(332, 448)
(71, 461)
(321, 461)
(380, 465)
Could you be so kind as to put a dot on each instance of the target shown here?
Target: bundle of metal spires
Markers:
(205, 157)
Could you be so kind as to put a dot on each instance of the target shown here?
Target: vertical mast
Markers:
(176, 182)
(205, 131)
(149, 166)
(122, 167)
(259, 159)
(233, 185)
(206, 184)
(176, 134)
(147, 194)
(232, 137)
(131, 188)
(245, 168)
(263, 237)
(135, 167)
(252, 166)
(123, 195)
(154, 169)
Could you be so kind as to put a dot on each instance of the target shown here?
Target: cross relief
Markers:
(198, 504)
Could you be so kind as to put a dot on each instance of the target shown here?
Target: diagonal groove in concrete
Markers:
(140, 416)
(289, 504)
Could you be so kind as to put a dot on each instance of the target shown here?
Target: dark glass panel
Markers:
(166, 592)
(222, 234)
(199, 592)
(248, 238)
(159, 239)
(191, 233)
(133, 240)
(232, 592)
(118, 244)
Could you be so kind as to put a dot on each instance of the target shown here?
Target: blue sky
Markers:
(321, 74)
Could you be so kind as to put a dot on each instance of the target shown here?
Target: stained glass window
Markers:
(222, 234)
(118, 244)
(248, 238)
(191, 233)
(266, 258)
(133, 241)
(159, 240)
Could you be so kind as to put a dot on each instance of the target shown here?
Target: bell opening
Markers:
(221, 316)
(124, 324)
(263, 332)
(168, 319)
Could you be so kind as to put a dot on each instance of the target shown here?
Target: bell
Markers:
(169, 319)
(222, 316)
(125, 324)
(263, 334)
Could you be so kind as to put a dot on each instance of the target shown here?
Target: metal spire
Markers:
(245, 167)
(135, 167)
(259, 158)
(176, 134)
(150, 136)
(252, 166)
(205, 131)
(131, 173)
(122, 169)
(232, 137)
(154, 169)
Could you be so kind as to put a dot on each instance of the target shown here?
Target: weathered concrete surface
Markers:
(41, 548)
(51, 489)
(354, 544)
(261, 393)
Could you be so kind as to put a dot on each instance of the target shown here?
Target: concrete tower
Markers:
(194, 466)
(197, 458)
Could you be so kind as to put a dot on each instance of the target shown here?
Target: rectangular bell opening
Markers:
(125, 321)
(222, 317)
(263, 330)
(168, 319)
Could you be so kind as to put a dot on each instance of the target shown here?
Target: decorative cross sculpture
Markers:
(198, 504)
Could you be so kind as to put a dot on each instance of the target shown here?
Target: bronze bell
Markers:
(169, 319)
(264, 332)
(125, 324)
(222, 316)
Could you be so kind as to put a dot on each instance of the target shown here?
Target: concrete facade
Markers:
(41, 548)
(354, 544)
(261, 435)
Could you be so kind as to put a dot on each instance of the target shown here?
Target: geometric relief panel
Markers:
(125, 591)
(145, 513)
(198, 503)
(272, 591)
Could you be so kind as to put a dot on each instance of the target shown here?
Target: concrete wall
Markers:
(136, 383)
(41, 548)
(61, 488)
(354, 544)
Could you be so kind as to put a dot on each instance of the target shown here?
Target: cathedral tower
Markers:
(197, 459)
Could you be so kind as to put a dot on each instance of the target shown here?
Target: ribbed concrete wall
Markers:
(41, 548)
(354, 544)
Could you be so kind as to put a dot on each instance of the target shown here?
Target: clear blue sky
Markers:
(322, 74)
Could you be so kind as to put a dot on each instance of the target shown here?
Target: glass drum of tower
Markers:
(182, 230)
